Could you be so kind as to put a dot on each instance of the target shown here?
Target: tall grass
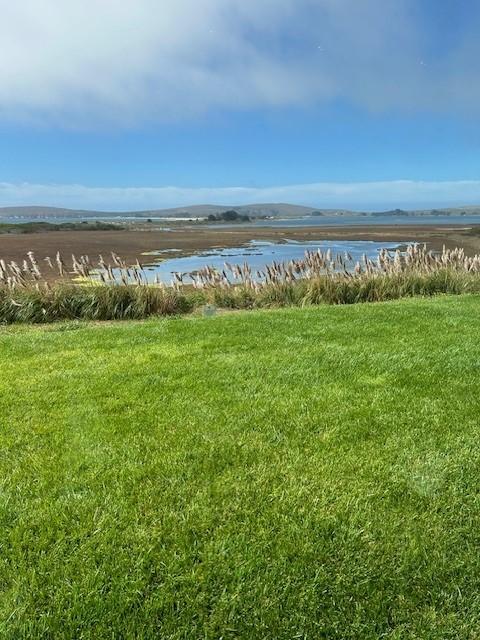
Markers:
(116, 291)
(100, 302)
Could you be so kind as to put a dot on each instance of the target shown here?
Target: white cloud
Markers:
(121, 62)
(356, 195)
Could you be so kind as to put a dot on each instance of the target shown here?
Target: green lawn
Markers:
(268, 475)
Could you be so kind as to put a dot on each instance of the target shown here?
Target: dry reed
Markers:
(109, 289)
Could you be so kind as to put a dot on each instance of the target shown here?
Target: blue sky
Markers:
(147, 104)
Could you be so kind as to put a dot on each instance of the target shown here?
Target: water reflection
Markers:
(258, 255)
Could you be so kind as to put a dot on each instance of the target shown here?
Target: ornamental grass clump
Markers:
(79, 288)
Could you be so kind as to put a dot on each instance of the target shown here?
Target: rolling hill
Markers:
(274, 210)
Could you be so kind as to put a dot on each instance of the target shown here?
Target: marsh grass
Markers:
(69, 302)
(110, 291)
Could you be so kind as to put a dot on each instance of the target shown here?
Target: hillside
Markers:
(307, 473)
(275, 210)
(195, 211)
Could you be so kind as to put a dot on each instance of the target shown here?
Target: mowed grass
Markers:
(302, 473)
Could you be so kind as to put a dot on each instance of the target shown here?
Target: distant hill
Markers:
(274, 210)
(194, 211)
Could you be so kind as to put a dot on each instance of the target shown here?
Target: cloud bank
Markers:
(124, 62)
(360, 195)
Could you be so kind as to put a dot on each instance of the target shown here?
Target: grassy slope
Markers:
(286, 474)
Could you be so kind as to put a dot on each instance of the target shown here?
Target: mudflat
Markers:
(132, 245)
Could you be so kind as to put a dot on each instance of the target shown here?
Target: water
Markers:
(347, 221)
(258, 255)
(307, 221)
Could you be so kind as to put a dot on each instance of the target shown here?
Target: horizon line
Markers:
(359, 196)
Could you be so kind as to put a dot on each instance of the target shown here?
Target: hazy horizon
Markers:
(334, 104)
(355, 197)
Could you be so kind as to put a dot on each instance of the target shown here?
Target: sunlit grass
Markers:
(278, 474)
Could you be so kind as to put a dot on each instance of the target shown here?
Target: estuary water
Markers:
(256, 254)
(307, 221)
(370, 220)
